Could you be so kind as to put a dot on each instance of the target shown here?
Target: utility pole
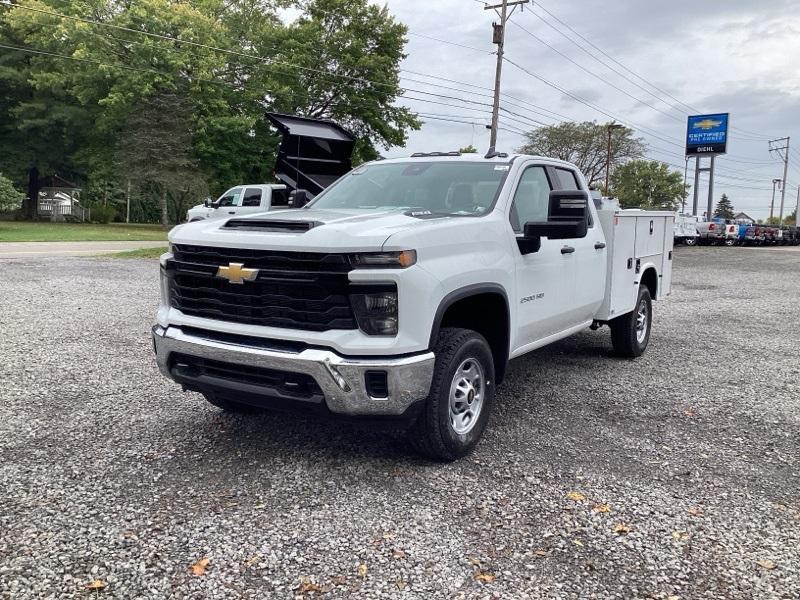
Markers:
(781, 148)
(610, 128)
(775, 182)
(499, 38)
(128, 203)
(797, 209)
(685, 174)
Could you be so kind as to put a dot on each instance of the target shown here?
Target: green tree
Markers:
(10, 197)
(155, 150)
(339, 60)
(468, 149)
(585, 145)
(724, 208)
(791, 218)
(648, 184)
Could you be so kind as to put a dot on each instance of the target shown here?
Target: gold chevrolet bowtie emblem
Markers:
(236, 273)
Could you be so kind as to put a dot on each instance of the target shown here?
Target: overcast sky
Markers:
(737, 56)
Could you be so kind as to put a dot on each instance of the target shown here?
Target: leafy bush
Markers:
(10, 197)
(103, 214)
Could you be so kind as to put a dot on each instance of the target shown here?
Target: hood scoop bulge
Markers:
(273, 225)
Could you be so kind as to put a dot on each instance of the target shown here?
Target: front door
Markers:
(544, 279)
(227, 204)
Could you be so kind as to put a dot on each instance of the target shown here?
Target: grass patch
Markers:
(24, 231)
(140, 253)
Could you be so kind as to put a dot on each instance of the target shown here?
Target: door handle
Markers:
(231, 212)
(567, 250)
(599, 246)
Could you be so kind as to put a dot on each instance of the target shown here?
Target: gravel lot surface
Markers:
(674, 476)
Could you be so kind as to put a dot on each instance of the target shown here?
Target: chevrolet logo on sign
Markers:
(707, 124)
(236, 273)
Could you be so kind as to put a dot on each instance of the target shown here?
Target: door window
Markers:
(252, 197)
(567, 179)
(280, 197)
(231, 198)
(531, 199)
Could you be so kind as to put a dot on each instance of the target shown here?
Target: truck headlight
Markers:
(375, 309)
(384, 260)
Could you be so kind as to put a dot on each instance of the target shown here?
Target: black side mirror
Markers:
(298, 198)
(567, 218)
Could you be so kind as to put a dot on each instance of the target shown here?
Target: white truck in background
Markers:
(685, 230)
(241, 200)
(402, 291)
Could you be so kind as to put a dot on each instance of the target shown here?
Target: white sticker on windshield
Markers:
(502, 168)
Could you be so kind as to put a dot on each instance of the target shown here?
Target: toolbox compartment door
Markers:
(665, 283)
(649, 235)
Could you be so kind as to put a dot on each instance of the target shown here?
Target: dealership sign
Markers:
(707, 134)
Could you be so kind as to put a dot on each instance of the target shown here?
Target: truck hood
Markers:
(308, 230)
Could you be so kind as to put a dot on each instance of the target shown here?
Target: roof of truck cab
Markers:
(474, 157)
(269, 185)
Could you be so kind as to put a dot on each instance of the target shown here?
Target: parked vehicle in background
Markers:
(402, 291)
(241, 200)
(685, 230)
(731, 235)
(709, 232)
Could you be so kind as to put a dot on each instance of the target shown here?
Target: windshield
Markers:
(453, 188)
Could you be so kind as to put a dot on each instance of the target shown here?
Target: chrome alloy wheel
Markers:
(641, 321)
(466, 396)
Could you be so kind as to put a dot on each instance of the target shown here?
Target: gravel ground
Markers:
(674, 476)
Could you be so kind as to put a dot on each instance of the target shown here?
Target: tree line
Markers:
(165, 100)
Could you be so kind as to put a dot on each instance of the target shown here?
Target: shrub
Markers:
(10, 197)
(103, 214)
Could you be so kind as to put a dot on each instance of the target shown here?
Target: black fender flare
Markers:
(467, 292)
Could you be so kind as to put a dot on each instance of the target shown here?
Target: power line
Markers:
(759, 136)
(590, 105)
(593, 74)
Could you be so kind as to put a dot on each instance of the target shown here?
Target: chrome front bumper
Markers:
(341, 379)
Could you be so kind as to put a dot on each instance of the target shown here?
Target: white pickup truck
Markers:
(241, 200)
(402, 291)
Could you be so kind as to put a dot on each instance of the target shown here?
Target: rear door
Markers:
(544, 279)
(588, 259)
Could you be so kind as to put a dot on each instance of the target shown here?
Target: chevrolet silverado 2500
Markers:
(403, 290)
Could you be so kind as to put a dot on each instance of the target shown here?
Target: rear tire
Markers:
(730, 242)
(630, 333)
(690, 241)
(462, 392)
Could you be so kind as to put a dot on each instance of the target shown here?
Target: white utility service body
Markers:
(367, 298)
(685, 231)
(241, 200)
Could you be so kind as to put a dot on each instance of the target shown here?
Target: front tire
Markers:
(462, 392)
(690, 241)
(630, 333)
